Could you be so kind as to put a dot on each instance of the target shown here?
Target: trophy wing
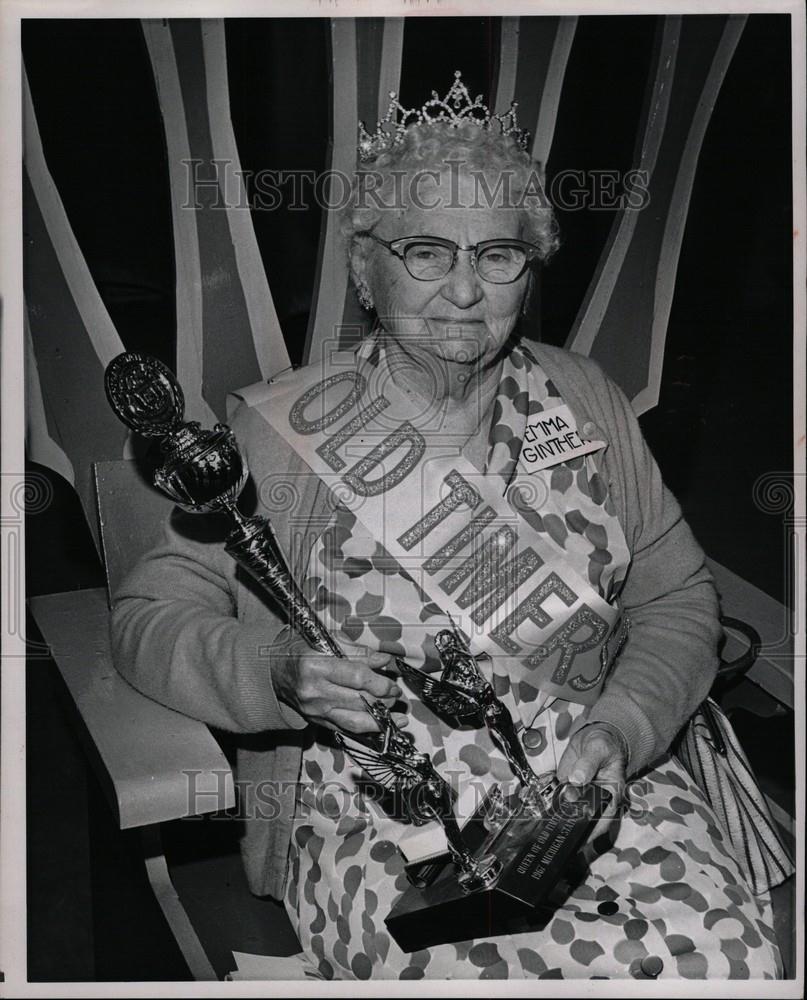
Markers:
(389, 771)
(440, 695)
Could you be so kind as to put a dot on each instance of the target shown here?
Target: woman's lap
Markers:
(673, 888)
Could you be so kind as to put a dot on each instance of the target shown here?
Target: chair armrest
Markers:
(773, 668)
(154, 764)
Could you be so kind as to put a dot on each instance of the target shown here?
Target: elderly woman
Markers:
(462, 439)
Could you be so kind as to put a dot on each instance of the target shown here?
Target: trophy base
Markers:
(532, 853)
(484, 876)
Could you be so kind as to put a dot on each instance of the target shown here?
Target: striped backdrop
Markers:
(228, 334)
(70, 336)
(632, 289)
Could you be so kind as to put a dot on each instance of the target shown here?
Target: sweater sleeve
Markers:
(670, 661)
(176, 636)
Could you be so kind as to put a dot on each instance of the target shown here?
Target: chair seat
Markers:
(143, 752)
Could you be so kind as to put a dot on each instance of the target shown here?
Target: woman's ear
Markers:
(528, 294)
(359, 268)
(358, 259)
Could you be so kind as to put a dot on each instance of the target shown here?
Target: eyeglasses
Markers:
(430, 258)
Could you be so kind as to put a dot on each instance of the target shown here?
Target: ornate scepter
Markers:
(204, 472)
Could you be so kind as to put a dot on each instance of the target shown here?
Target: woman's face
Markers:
(460, 320)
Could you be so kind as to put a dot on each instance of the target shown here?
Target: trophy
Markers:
(507, 860)
(531, 833)
(399, 767)
(462, 692)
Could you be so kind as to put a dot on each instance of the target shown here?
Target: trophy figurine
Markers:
(462, 692)
(399, 767)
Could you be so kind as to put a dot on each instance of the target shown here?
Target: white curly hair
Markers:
(500, 167)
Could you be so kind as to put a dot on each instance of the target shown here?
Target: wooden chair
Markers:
(143, 752)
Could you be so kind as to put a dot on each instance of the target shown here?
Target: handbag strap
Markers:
(727, 671)
(730, 670)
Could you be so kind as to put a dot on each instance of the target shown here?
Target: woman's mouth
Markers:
(453, 321)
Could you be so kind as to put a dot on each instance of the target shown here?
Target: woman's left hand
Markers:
(596, 753)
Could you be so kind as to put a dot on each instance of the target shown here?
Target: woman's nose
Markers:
(462, 285)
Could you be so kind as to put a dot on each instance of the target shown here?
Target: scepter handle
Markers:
(253, 545)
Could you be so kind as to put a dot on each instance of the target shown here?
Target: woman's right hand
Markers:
(328, 689)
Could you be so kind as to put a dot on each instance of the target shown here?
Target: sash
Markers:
(468, 547)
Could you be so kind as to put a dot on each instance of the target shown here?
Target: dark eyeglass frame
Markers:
(398, 248)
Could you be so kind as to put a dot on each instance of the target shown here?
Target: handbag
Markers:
(709, 750)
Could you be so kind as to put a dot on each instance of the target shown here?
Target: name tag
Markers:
(551, 437)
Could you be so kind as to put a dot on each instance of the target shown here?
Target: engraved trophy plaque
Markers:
(508, 858)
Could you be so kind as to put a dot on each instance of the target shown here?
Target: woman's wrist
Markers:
(284, 668)
(282, 659)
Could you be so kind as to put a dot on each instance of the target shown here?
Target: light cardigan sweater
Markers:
(194, 633)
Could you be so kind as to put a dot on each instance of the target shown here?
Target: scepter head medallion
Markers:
(144, 394)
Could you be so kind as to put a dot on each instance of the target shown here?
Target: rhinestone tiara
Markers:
(451, 111)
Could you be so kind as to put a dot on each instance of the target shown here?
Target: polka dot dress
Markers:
(662, 898)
